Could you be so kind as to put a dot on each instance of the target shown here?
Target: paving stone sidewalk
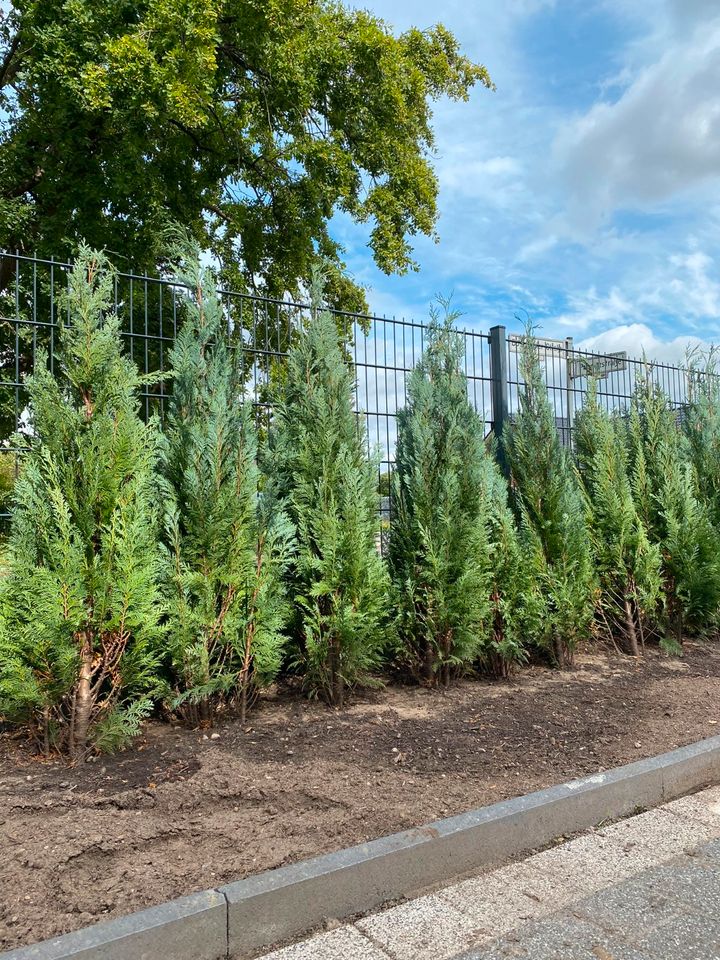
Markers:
(646, 888)
(666, 913)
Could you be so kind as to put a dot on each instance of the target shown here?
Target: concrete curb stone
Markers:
(191, 928)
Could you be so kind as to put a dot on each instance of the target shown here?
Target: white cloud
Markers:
(692, 293)
(676, 291)
(590, 309)
(685, 12)
(537, 247)
(659, 139)
(638, 340)
(493, 179)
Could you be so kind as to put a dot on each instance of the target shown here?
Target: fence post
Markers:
(499, 390)
(569, 391)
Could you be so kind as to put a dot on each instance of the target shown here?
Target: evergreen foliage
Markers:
(668, 501)
(459, 572)
(439, 552)
(702, 429)
(101, 602)
(81, 600)
(628, 565)
(227, 607)
(517, 603)
(552, 513)
(319, 475)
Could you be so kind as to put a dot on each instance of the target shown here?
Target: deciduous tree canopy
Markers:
(250, 121)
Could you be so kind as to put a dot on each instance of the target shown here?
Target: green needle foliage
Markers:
(319, 475)
(628, 565)
(454, 554)
(552, 514)
(439, 554)
(517, 604)
(82, 603)
(667, 496)
(227, 607)
(702, 429)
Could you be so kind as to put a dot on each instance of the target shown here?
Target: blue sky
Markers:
(586, 189)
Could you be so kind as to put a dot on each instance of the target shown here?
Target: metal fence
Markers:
(566, 371)
(384, 351)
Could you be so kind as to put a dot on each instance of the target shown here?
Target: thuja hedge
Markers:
(181, 568)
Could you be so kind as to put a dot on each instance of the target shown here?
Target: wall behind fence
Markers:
(384, 351)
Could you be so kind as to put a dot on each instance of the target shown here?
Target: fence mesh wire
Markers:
(383, 350)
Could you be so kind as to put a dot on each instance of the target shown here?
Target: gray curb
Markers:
(193, 927)
(242, 919)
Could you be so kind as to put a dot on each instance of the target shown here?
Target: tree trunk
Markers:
(339, 690)
(250, 633)
(46, 731)
(336, 686)
(499, 666)
(447, 647)
(559, 651)
(630, 631)
(83, 698)
(205, 712)
(429, 662)
(7, 272)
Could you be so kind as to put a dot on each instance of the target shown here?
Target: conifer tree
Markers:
(455, 561)
(517, 604)
(319, 475)
(552, 513)
(628, 565)
(667, 498)
(439, 551)
(82, 603)
(702, 429)
(227, 607)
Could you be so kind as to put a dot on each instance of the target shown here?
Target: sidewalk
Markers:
(646, 888)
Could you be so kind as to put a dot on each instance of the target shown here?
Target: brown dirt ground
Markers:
(183, 811)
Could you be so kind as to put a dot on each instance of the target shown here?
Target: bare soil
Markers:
(186, 810)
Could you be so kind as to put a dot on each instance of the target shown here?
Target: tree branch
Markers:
(193, 136)
(11, 62)
(218, 211)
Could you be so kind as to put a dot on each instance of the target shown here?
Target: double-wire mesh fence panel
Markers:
(383, 350)
(568, 370)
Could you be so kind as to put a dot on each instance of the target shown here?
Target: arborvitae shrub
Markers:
(517, 605)
(666, 495)
(319, 475)
(628, 565)
(701, 423)
(82, 604)
(459, 573)
(439, 553)
(226, 599)
(552, 513)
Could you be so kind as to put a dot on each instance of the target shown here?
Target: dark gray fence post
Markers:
(499, 393)
(569, 391)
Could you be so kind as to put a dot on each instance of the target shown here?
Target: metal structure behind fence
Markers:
(566, 371)
(383, 350)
